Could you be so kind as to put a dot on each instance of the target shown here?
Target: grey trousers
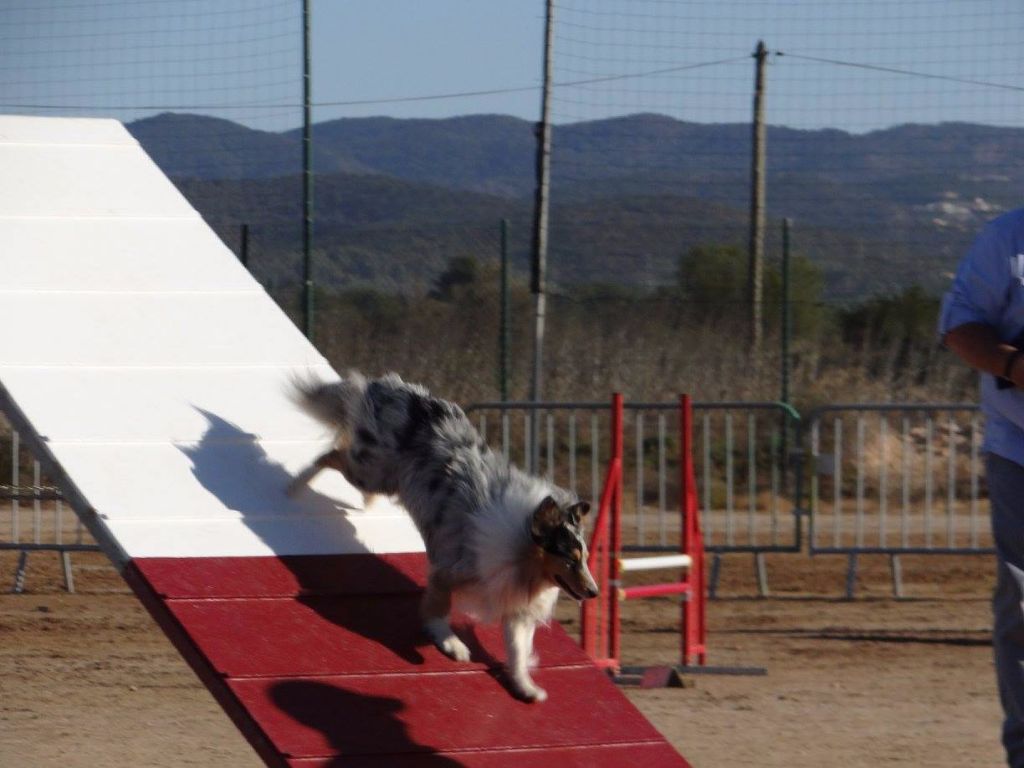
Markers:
(1006, 494)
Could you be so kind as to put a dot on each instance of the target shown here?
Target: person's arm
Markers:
(978, 345)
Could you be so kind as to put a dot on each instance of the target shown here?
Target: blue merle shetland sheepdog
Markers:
(499, 541)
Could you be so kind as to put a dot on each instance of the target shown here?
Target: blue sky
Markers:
(686, 58)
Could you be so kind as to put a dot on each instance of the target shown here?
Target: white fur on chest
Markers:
(494, 599)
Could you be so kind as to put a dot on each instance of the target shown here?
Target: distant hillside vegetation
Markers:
(396, 199)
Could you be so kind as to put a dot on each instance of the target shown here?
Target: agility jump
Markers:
(601, 632)
(150, 386)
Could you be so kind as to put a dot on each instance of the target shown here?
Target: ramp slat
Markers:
(643, 755)
(385, 714)
(127, 255)
(190, 406)
(62, 181)
(287, 576)
(284, 534)
(343, 635)
(138, 330)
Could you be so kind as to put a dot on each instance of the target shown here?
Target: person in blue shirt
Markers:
(982, 321)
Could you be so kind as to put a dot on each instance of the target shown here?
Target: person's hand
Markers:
(1016, 370)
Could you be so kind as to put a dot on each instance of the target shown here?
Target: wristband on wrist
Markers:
(1011, 360)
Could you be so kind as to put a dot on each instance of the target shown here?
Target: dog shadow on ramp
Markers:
(364, 594)
(369, 596)
(232, 465)
(352, 723)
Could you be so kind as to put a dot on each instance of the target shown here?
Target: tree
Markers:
(809, 314)
(905, 316)
(713, 282)
(462, 276)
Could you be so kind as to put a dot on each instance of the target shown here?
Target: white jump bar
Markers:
(654, 563)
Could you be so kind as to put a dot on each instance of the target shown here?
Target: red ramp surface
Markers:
(321, 662)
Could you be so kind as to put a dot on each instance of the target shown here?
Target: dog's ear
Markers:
(578, 511)
(546, 518)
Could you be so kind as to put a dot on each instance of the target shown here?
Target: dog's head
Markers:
(558, 532)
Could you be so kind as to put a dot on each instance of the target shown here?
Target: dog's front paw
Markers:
(454, 648)
(529, 691)
(537, 695)
(447, 642)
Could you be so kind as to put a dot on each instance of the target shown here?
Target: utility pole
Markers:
(307, 178)
(755, 272)
(540, 233)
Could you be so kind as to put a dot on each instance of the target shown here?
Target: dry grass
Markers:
(647, 350)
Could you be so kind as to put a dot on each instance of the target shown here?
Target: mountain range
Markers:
(396, 199)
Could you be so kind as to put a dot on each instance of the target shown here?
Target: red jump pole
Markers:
(615, 546)
(599, 617)
(594, 613)
(692, 544)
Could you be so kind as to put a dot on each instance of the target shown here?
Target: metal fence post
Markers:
(243, 245)
(307, 174)
(503, 322)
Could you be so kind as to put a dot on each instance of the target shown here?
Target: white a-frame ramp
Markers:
(149, 373)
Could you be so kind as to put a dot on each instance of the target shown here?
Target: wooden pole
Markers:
(540, 234)
(755, 280)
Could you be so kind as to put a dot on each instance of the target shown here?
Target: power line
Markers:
(894, 70)
(528, 88)
(395, 100)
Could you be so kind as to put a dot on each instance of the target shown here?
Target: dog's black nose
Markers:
(592, 592)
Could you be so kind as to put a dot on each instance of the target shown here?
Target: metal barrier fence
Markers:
(747, 487)
(33, 514)
(890, 479)
(895, 479)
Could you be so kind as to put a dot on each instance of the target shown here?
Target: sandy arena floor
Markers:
(89, 680)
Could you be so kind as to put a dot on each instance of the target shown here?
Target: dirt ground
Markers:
(89, 680)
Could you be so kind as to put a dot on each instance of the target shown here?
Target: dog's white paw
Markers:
(533, 661)
(447, 642)
(454, 648)
(529, 691)
(539, 695)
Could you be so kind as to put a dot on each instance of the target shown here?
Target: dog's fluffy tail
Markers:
(331, 403)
